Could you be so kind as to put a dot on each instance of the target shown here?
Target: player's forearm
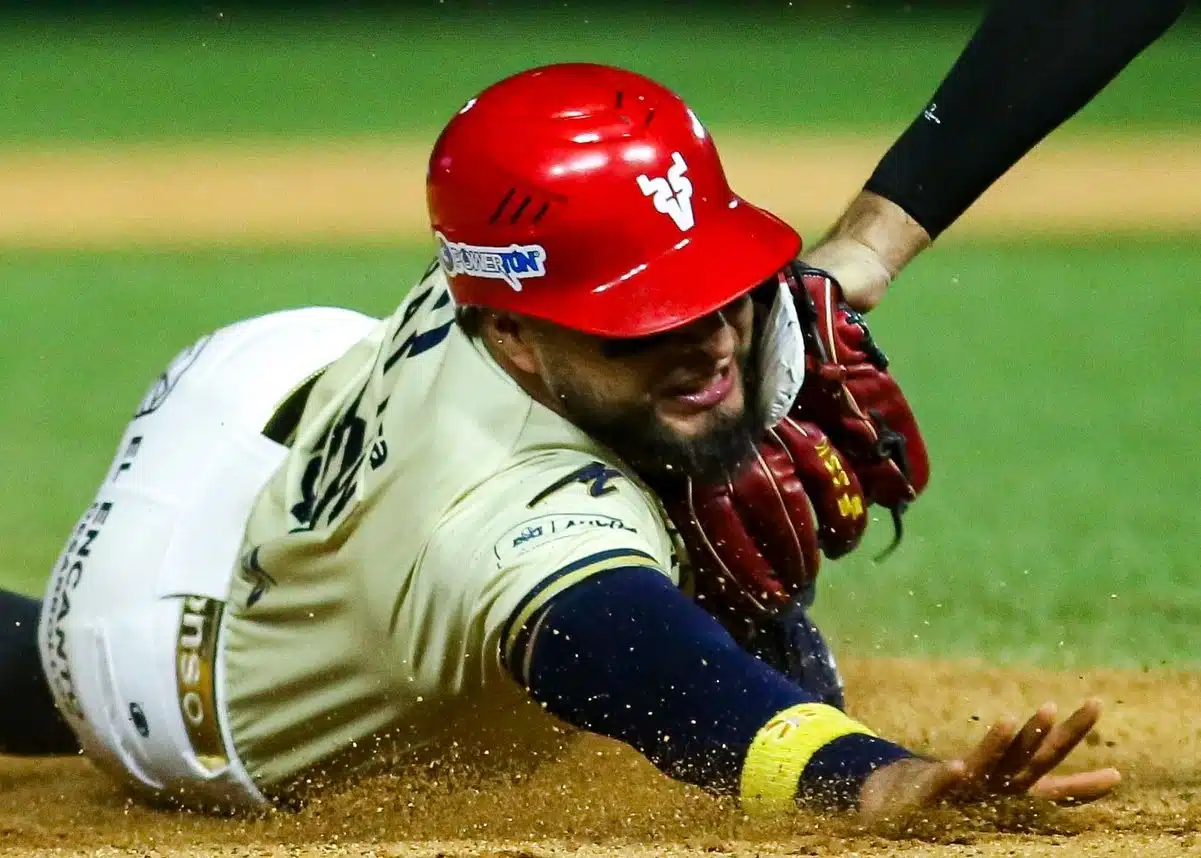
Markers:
(626, 655)
(1030, 66)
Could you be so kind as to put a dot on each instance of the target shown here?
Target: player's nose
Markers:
(714, 335)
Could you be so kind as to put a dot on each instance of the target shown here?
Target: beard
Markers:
(654, 450)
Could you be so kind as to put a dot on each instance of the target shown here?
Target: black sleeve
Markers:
(1030, 66)
(30, 722)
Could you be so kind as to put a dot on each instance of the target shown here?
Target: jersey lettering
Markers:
(331, 476)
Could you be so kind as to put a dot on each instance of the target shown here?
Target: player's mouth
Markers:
(697, 394)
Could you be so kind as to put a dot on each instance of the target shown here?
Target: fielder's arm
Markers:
(1030, 66)
(625, 654)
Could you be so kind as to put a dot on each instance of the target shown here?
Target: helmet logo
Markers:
(511, 264)
(673, 194)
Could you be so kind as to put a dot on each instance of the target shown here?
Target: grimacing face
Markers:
(676, 402)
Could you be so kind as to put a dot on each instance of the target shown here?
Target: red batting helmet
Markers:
(593, 198)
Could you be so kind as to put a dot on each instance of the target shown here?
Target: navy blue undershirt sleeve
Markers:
(625, 654)
(30, 722)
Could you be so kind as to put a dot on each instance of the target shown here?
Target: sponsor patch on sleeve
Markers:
(536, 532)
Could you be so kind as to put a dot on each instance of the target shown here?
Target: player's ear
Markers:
(512, 336)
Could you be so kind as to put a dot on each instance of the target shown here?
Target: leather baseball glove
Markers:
(850, 440)
(850, 393)
(755, 540)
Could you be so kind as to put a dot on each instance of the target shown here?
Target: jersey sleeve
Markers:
(535, 530)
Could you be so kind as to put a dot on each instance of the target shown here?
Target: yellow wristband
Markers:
(782, 748)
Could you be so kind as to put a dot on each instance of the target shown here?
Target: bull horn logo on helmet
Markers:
(511, 264)
(672, 195)
(628, 226)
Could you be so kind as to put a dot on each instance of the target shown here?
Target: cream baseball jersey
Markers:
(427, 508)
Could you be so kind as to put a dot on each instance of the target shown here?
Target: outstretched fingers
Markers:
(1023, 747)
(1078, 788)
(1058, 743)
(1007, 760)
(982, 762)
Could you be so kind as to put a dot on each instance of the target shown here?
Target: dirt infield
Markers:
(273, 191)
(603, 799)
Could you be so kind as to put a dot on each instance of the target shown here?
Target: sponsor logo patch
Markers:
(545, 529)
(511, 264)
(195, 654)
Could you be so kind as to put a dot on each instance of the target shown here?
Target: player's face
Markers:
(672, 401)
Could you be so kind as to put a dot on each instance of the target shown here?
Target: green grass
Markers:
(231, 76)
(1055, 385)
(1063, 521)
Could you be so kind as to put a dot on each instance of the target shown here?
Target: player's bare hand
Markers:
(856, 268)
(1008, 761)
(869, 245)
